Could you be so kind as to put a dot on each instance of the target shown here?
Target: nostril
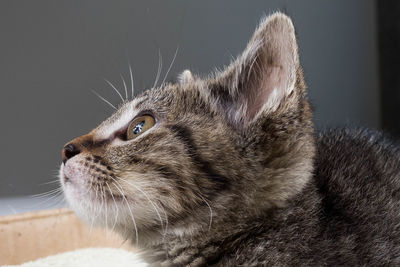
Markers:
(69, 151)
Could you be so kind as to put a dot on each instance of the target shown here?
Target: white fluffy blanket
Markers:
(90, 257)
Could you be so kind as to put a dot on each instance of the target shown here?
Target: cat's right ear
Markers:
(260, 79)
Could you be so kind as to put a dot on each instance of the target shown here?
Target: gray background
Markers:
(53, 52)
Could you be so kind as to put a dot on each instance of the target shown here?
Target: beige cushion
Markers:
(29, 236)
(89, 257)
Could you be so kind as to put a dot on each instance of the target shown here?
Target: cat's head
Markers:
(181, 157)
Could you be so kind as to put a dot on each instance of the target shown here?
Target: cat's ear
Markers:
(185, 77)
(259, 79)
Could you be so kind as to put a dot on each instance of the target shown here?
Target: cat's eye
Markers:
(139, 126)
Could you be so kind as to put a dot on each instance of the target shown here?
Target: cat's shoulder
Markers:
(358, 164)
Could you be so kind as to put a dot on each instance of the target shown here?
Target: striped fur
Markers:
(226, 176)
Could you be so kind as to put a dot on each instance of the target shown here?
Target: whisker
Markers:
(130, 211)
(151, 202)
(45, 197)
(118, 186)
(170, 65)
(50, 196)
(48, 193)
(88, 190)
(133, 219)
(99, 209)
(90, 187)
(60, 200)
(92, 221)
(105, 207)
(132, 84)
(96, 209)
(166, 222)
(55, 196)
(211, 212)
(50, 182)
(115, 89)
(102, 98)
(96, 191)
(116, 206)
(126, 89)
(159, 68)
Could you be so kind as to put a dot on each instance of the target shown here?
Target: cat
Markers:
(227, 170)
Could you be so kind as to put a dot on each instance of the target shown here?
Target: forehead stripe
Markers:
(184, 134)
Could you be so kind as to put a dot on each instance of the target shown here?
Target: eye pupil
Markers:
(139, 127)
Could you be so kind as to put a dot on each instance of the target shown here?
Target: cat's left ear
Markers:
(185, 77)
(259, 79)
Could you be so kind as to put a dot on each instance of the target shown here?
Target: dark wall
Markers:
(52, 53)
(389, 55)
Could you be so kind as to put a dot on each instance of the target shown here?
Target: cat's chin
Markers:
(95, 209)
(96, 205)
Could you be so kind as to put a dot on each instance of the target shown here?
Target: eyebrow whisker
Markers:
(159, 68)
(115, 89)
(170, 65)
(125, 88)
(102, 98)
(132, 84)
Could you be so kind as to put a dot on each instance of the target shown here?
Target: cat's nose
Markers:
(69, 151)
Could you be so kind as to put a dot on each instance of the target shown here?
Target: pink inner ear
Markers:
(265, 72)
(274, 79)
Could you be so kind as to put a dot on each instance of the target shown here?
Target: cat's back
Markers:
(358, 177)
(359, 163)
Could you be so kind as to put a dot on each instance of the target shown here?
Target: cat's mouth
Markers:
(65, 179)
(86, 178)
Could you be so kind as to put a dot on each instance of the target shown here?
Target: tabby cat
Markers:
(227, 171)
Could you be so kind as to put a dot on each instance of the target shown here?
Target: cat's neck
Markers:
(196, 244)
(193, 245)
